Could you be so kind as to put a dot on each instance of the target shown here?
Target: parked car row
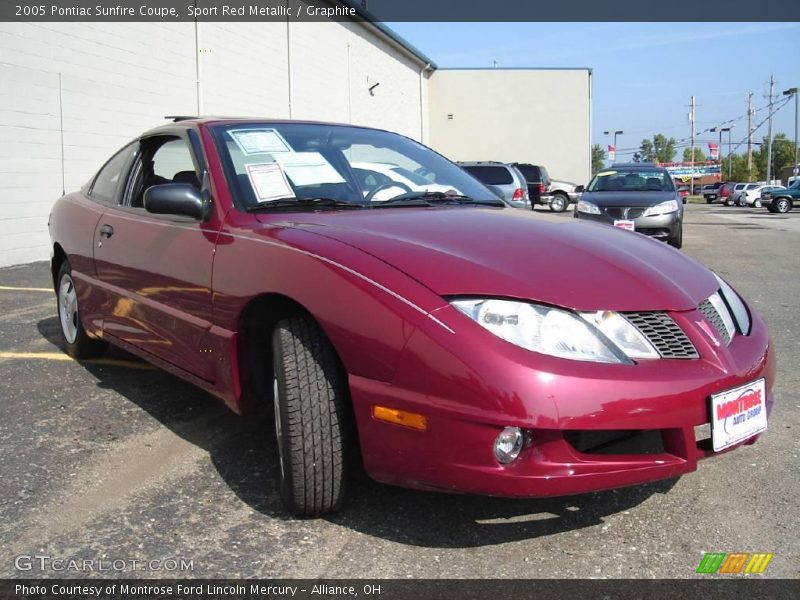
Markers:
(524, 185)
(776, 198)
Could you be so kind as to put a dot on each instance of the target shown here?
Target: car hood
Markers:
(514, 254)
(627, 198)
(564, 185)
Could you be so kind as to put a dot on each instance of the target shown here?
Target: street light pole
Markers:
(616, 133)
(730, 162)
(794, 92)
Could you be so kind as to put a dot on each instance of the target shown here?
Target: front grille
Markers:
(712, 316)
(660, 330)
(623, 212)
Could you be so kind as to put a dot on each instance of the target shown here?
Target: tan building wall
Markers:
(538, 116)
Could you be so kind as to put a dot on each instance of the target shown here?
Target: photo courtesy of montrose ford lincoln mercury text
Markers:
(445, 339)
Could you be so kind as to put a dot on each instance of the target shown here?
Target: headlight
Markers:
(663, 208)
(597, 336)
(736, 306)
(587, 207)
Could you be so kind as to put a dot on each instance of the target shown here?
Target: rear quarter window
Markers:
(491, 175)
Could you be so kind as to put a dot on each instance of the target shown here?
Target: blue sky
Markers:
(644, 73)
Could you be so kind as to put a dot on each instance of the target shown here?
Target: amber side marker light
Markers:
(400, 417)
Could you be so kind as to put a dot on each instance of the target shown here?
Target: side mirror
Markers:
(579, 189)
(176, 199)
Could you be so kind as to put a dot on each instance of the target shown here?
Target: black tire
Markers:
(728, 201)
(310, 398)
(676, 241)
(741, 201)
(77, 343)
(559, 202)
(757, 204)
(782, 205)
(709, 201)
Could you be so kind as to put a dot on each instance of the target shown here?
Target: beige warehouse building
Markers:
(73, 93)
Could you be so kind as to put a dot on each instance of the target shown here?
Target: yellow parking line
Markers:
(26, 289)
(61, 356)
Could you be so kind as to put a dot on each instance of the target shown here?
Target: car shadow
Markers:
(244, 453)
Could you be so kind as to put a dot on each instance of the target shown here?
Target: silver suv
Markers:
(502, 177)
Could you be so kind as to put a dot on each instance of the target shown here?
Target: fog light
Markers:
(508, 444)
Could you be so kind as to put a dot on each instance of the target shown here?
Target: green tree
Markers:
(782, 155)
(664, 148)
(598, 158)
(736, 165)
(646, 151)
(698, 155)
(659, 149)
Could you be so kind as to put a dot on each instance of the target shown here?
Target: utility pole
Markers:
(691, 120)
(769, 131)
(750, 136)
(794, 92)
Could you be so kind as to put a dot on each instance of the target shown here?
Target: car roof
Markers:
(193, 121)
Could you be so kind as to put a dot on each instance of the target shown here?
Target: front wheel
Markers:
(676, 241)
(782, 205)
(77, 342)
(310, 400)
(741, 201)
(559, 203)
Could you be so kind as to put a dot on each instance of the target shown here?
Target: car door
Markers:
(157, 268)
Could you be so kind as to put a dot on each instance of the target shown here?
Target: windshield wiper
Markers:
(431, 198)
(303, 203)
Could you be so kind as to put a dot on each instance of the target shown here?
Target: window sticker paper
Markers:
(259, 141)
(308, 168)
(269, 182)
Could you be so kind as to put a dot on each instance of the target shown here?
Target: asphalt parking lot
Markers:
(113, 459)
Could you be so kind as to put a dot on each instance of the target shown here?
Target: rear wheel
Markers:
(77, 342)
(757, 204)
(709, 201)
(559, 202)
(728, 201)
(310, 398)
(782, 205)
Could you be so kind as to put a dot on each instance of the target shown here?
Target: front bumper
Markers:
(562, 404)
(662, 227)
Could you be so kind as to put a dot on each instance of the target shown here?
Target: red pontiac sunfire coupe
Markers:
(460, 344)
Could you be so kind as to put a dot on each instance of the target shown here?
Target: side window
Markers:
(108, 179)
(173, 161)
(164, 159)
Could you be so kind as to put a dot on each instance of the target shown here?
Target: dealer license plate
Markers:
(624, 224)
(738, 414)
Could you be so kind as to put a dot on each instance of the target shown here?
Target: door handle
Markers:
(106, 231)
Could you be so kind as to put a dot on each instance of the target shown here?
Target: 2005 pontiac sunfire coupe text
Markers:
(460, 344)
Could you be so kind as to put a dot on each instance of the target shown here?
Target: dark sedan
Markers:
(635, 197)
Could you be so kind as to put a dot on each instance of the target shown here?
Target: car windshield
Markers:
(275, 162)
(631, 180)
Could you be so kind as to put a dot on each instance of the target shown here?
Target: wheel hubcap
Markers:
(68, 309)
(278, 428)
(558, 203)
